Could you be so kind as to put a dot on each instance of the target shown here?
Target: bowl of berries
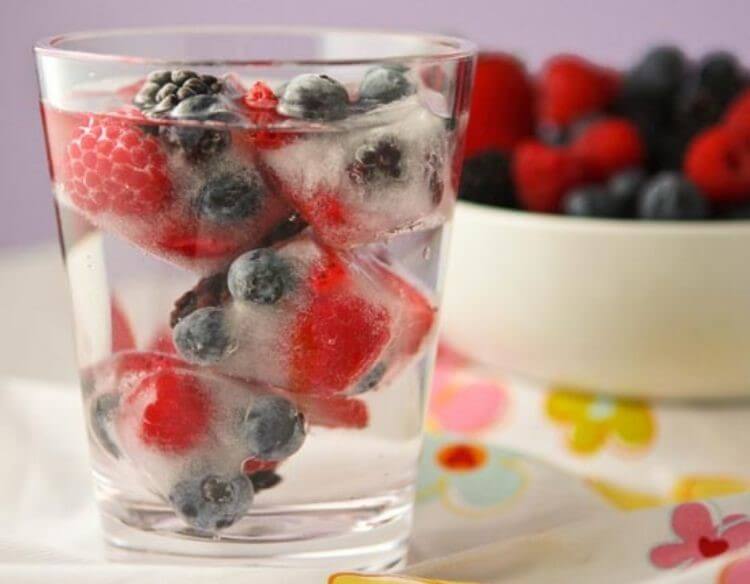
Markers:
(600, 241)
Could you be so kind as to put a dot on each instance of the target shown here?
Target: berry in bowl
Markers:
(601, 229)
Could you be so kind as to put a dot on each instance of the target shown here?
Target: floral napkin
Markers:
(526, 484)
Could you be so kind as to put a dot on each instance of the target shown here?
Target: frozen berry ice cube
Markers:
(378, 174)
(129, 179)
(306, 318)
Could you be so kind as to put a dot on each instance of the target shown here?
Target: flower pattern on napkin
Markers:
(593, 421)
(700, 538)
(458, 472)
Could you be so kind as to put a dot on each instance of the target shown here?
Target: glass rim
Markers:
(451, 47)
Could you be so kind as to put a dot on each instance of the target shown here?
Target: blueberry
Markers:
(212, 502)
(624, 188)
(378, 161)
(231, 197)
(203, 337)
(486, 179)
(272, 428)
(382, 85)
(659, 74)
(260, 276)
(102, 415)
(314, 97)
(371, 379)
(285, 229)
(670, 196)
(739, 212)
(591, 201)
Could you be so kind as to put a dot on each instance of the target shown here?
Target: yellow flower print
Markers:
(694, 487)
(625, 499)
(594, 420)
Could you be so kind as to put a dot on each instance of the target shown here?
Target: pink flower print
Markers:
(699, 538)
(738, 572)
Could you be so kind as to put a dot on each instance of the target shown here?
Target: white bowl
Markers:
(655, 309)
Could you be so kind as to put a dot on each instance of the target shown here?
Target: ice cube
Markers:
(303, 317)
(123, 175)
(376, 174)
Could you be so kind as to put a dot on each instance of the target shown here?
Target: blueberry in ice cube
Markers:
(203, 337)
(231, 197)
(212, 502)
(376, 161)
(385, 84)
(102, 416)
(260, 276)
(314, 97)
(371, 379)
(272, 428)
(670, 196)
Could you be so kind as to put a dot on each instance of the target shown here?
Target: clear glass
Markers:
(254, 224)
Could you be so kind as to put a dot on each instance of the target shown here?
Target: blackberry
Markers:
(264, 479)
(486, 180)
(624, 188)
(211, 291)
(163, 90)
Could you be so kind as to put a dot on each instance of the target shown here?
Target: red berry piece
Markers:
(738, 114)
(123, 338)
(335, 341)
(543, 174)
(607, 146)
(334, 411)
(253, 465)
(162, 342)
(115, 167)
(178, 412)
(502, 105)
(328, 275)
(718, 163)
(570, 87)
(261, 102)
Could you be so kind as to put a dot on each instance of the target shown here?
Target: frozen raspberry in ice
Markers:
(128, 178)
(382, 172)
(304, 318)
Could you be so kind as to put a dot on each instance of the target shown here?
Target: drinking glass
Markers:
(254, 226)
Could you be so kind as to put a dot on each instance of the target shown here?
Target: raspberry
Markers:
(178, 412)
(501, 105)
(261, 102)
(115, 167)
(718, 162)
(608, 146)
(336, 411)
(571, 87)
(336, 340)
(543, 174)
(162, 342)
(738, 113)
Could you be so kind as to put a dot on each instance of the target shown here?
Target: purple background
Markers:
(612, 30)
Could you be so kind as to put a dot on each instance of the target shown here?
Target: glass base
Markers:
(364, 534)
